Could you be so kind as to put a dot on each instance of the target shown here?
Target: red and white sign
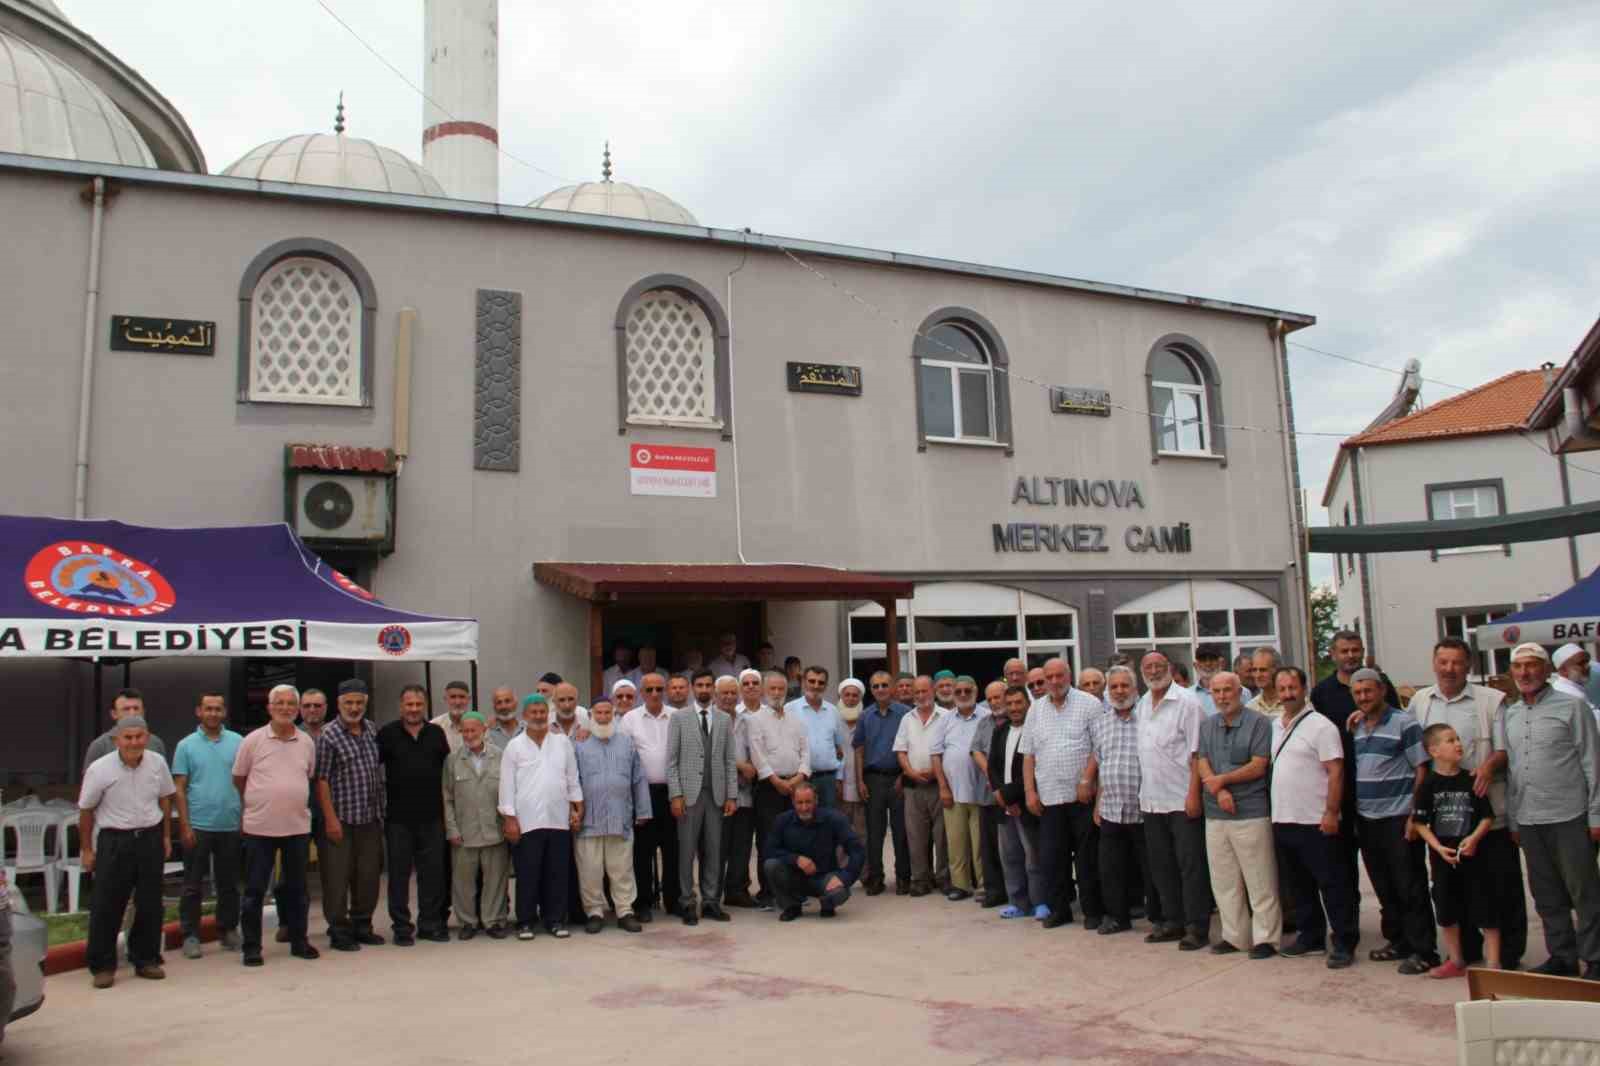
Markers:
(671, 470)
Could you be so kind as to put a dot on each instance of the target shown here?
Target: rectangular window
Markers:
(870, 630)
(1211, 624)
(1049, 627)
(1171, 624)
(1133, 626)
(962, 630)
(975, 404)
(938, 404)
(1254, 622)
(1467, 499)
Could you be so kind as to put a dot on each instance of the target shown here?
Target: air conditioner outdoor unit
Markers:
(346, 510)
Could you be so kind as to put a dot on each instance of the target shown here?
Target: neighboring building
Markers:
(1470, 455)
(461, 405)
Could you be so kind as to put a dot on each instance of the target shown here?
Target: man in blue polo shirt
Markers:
(208, 821)
(1390, 762)
(878, 774)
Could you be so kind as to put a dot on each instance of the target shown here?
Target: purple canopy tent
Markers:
(108, 592)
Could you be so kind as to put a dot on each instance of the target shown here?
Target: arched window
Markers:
(1185, 400)
(962, 394)
(1186, 615)
(672, 352)
(306, 315)
(967, 627)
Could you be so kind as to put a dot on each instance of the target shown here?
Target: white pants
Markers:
(1244, 880)
(599, 858)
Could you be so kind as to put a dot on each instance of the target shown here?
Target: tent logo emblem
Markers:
(1513, 633)
(394, 640)
(86, 578)
(350, 586)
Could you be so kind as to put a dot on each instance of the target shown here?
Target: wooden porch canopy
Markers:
(601, 584)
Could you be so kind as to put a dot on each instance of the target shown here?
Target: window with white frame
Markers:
(966, 627)
(670, 359)
(1466, 499)
(1459, 622)
(1183, 616)
(306, 335)
(955, 383)
(1178, 402)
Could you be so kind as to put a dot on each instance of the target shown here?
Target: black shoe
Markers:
(715, 913)
(738, 899)
(1136, 912)
(1263, 951)
(1192, 942)
(1340, 959)
(827, 911)
(1057, 919)
(1415, 965)
(404, 940)
(902, 888)
(629, 924)
(1222, 947)
(367, 936)
(303, 950)
(918, 890)
(1554, 967)
(1110, 925)
(282, 935)
(343, 943)
(1591, 971)
(789, 914)
(994, 901)
(1091, 925)
(438, 936)
(497, 932)
(1299, 950)
(253, 958)
(466, 932)
(690, 918)
(643, 914)
(956, 895)
(593, 924)
(1164, 934)
(873, 888)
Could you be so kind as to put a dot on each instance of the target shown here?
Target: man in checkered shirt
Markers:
(349, 784)
(1124, 873)
(1056, 747)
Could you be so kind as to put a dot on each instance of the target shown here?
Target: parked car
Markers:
(22, 960)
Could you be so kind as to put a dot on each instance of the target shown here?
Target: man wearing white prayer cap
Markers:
(854, 807)
(1572, 673)
(624, 696)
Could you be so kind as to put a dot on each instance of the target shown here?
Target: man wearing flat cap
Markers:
(1550, 746)
(472, 825)
(349, 786)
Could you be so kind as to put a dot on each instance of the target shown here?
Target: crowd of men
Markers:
(1130, 795)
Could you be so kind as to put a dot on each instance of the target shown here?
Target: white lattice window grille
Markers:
(305, 335)
(671, 362)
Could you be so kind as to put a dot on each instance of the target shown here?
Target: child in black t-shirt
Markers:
(1453, 820)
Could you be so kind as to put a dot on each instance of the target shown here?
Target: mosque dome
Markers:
(337, 160)
(618, 198)
(48, 108)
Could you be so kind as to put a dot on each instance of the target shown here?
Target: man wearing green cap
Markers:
(472, 825)
(944, 691)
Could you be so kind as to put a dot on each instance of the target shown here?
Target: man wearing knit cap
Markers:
(349, 788)
(472, 826)
(541, 801)
(944, 690)
(127, 795)
(616, 799)
(855, 810)
(1550, 745)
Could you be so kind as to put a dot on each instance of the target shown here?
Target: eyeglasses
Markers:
(880, 684)
(653, 688)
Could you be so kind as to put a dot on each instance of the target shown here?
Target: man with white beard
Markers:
(1169, 799)
(850, 693)
(616, 800)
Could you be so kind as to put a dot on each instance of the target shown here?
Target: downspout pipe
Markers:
(1577, 427)
(91, 305)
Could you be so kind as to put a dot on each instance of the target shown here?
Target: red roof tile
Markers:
(1498, 406)
(339, 458)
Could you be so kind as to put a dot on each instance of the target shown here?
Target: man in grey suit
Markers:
(703, 787)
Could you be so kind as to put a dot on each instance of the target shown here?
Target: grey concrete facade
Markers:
(829, 480)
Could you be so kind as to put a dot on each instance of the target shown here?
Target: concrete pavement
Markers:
(890, 980)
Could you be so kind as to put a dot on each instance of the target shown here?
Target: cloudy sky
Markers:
(1421, 177)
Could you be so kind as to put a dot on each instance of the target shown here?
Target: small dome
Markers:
(47, 108)
(619, 198)
(337, 160)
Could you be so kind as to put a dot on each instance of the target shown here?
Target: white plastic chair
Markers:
(1491, 1031)
(71, 864)
(31, 826)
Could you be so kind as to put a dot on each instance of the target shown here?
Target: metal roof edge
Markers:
(11, 161)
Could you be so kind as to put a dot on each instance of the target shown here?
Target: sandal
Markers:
(1013, 912)
(1387, 953)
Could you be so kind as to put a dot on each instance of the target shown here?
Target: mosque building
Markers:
(596, 418)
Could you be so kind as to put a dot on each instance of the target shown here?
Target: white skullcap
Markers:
(623, 683)
(727, 677)
(749, 672)
(1564, 654)
(1529, 651)
(852, 683)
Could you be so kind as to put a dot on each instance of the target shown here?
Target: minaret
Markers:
(460, 137)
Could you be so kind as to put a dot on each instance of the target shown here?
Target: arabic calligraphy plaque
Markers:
(832, 378)
(1070, 401)
(172, 336)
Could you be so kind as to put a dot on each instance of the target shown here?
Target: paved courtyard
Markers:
(891, 980)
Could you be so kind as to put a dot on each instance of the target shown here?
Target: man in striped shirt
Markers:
(1390, 762)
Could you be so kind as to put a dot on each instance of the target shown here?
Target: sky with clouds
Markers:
(1420, 177)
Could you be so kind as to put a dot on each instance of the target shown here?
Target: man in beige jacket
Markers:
(472, 825)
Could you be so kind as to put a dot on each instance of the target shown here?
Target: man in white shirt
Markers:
(647, 727)
(913, 744)
(542, 803)
(1056, 744)
(739, 832)
(1572, 674)
(961, 792)
(781, 755)
(621, 668)
(1471, 710)
(1169, 799)
(128, 796)
(1307, 794)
